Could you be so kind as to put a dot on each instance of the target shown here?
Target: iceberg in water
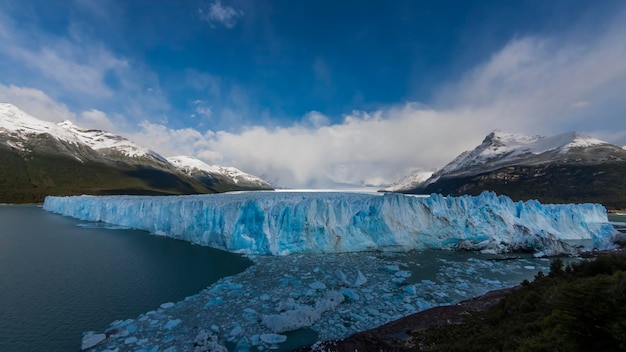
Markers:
(282, 223)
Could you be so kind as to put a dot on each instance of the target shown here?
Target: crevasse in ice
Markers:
(277, 223)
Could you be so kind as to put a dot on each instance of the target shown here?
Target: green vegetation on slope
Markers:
(581, 307)
(30, 177)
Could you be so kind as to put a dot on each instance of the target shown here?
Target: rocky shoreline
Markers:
(395, 336)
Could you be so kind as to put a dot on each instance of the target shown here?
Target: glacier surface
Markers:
(283, 223)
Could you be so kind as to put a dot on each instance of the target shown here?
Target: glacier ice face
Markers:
(277, 223)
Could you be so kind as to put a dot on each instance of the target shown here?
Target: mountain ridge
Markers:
(569, 167)
(40, 158)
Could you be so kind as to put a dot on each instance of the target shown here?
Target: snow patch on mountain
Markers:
(410, 181)
(102, 140)
(20, 125)
(191, 165)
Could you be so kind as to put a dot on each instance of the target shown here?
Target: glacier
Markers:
(284, 223)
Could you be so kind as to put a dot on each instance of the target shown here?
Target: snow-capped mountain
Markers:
(409, 181)
(500, 149)
(554, 168)
(108, 142)
(202, 171)
(39, 158)
(19, 126)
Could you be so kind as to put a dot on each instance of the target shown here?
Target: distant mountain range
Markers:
(566, 168)
(40, 158)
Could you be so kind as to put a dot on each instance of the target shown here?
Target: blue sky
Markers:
(318, 93)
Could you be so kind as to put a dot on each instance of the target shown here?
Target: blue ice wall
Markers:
(281, 223)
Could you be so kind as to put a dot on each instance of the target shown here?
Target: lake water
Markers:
(58, 279)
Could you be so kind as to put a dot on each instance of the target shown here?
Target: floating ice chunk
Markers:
(342, 277)
(207, 342)
(171, 324)
(391, 268)
(293, 319)
(372, 312)
(243, 345)
(360, 279)
(317, 285)
(236, 331)
(213, 302)
(398, 280)
(91, 339)
(130, 340)
(403, 273)
(410, 289)
(264, 297)
(166, 305)
(350, 293)
(300, 315)
(331, 300)
(273, 338)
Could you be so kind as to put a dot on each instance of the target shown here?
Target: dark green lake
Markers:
(60, 276)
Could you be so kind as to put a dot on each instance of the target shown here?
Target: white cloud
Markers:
(35, 103)
(96, 119)
(220, 14)
(203, 109)
(170, 142)
(316, 119)
(365, 148)
(77, 69)
(546, 84)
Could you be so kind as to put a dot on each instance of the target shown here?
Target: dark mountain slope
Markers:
(568, 168)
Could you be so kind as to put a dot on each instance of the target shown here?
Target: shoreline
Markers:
(396, 335)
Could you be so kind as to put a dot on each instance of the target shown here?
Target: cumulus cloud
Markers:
(366, 148)
(96, 119)
(547, 84)
(218, 14)
(36, 103)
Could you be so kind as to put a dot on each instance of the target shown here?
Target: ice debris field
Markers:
(292, 301)
(322, 283)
